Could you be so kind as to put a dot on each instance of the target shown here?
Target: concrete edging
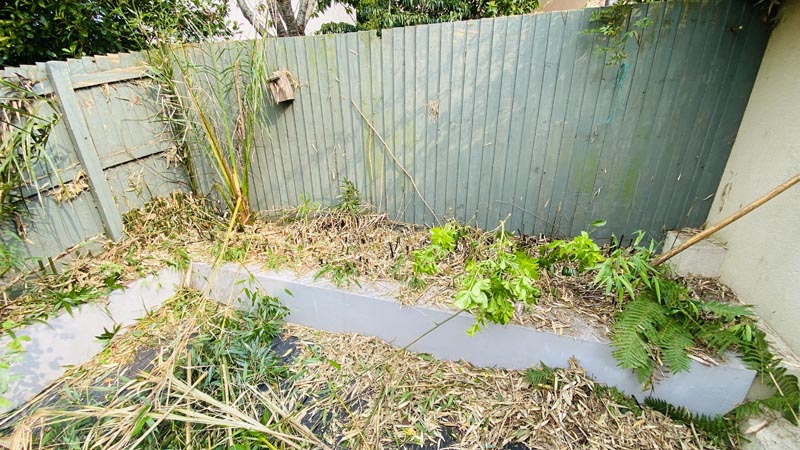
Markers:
(70, 339)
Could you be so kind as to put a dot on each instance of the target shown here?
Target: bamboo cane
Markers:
(727, 221)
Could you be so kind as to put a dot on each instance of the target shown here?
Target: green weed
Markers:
(349, 198)
(341, 272)
(492, 283)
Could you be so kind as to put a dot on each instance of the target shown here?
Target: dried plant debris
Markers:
(335, 243)
(319, 390)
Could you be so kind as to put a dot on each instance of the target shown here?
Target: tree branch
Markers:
(251, 14)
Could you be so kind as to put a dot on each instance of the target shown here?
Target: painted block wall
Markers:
(762, 264)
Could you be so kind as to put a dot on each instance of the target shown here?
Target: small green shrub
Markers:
(581, 250)
(627, 269)
(306, 208)
(341, 272)
(443, 242)
(491, 284)
(349, 198)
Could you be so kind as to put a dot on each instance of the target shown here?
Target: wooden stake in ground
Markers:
(727, 221)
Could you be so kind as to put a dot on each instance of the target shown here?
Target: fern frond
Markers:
(786, 399)
(725, 311)
(632, 333)
(543, 375)
(674, 341)
(715, 336)
(746, 410)
(721, 430)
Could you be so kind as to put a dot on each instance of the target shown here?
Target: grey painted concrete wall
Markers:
(70, 339)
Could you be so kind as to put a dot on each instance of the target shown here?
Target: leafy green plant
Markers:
(217, 108)
(12, 354)
(111, 273)
(107, 335)
(349, 198)
(23, 135)
(443, 242)
(611, 22)
(492, 283)
(581, 250)
(625, 270)
(73, 297)
(341, 272)
(306, 208)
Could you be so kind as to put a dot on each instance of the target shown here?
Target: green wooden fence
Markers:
(109, 136)
(515, 117)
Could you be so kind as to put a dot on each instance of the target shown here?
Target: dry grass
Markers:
(402, 398)
(171, 232)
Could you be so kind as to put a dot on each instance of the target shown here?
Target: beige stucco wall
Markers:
(762, 263)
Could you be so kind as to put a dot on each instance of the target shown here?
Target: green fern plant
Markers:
(660, 328)
(721, 430)
(757, 355)
(540, 376)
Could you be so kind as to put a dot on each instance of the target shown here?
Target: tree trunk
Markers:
(284, 20)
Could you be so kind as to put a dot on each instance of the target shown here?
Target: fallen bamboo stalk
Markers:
(394, 158)
(727, 221)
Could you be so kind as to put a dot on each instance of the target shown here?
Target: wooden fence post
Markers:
(58, 72)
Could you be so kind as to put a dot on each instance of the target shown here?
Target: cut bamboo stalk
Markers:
(727, 221)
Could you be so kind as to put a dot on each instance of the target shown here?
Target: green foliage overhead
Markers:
(41, 30)
(380, 14)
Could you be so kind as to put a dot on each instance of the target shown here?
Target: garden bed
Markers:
(316, 389)
(364, 273)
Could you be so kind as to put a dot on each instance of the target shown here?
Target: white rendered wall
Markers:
(762, 263)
